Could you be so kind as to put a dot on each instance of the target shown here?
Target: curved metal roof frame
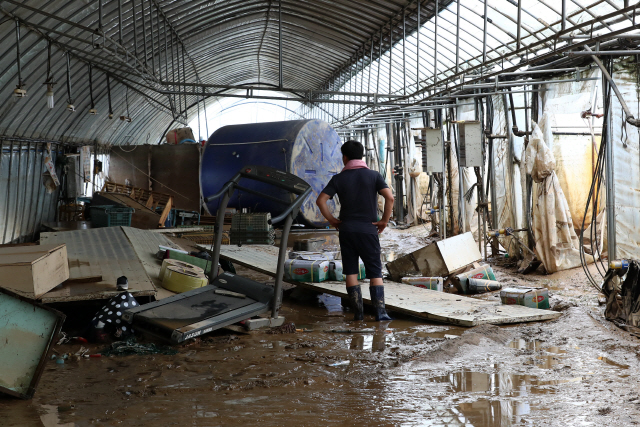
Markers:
(477, 55)
(146, 45)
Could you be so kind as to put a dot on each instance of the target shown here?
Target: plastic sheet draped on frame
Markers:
(557, 244)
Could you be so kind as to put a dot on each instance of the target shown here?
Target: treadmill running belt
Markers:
(193, 309)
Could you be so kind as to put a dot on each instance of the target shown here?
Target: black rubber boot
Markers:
(355, 296)
(377, 299)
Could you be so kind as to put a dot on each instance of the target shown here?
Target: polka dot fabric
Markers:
(111, 313)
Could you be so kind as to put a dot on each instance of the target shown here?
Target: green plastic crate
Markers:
(111, 216)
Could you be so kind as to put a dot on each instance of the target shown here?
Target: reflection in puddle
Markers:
(542, 360)
(510, 394)
(51, 418)
(613, 363)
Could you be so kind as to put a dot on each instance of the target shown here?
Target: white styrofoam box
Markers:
(470, 144)
(435, 150)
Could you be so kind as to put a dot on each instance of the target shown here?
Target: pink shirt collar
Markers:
(355, 164)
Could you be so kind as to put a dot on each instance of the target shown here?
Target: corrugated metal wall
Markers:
(25, 201)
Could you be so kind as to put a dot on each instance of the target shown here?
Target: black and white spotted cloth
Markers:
(111, 313)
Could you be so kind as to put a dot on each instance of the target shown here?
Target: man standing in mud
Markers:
(357, 188)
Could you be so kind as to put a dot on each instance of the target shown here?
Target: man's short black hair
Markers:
(353, 150)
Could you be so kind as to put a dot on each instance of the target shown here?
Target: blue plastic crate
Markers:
(111, 216)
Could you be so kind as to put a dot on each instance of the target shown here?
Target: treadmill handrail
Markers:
(293, 207)
(224, 189)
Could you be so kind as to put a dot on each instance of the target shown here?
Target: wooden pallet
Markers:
(150, 199)
(423, 303)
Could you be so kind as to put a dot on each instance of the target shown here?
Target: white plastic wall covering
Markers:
(626, 170)
(435, 151)
(471, 144)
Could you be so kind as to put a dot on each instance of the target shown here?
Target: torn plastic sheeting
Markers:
(556, 241)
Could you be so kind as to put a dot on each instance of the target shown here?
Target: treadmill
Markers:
(228, 298)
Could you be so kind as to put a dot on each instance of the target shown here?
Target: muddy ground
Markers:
(578, 370)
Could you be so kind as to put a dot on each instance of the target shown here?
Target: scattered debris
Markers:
(131, 346)
(528, 297)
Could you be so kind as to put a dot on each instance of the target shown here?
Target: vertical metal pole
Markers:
(184, 88)
(280, 79)
(100, 15)
(435, 48)
(390, 53)
(518, 37)
(418, 48)
(564, 15)
(443, 202)
(610, 185)
(135, 28)
(120, 20)
(8, 199)
(458, 36)
(159, 44)
(404, 52)
(166, 56)
(18, 53)
(282, 253)
(173, 72)
(484, 39)
(379, 65)
(153, 43)
(370, 66)
(15, 219)
(144, 33)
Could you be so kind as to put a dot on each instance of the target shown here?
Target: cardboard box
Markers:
(336, 271)
(302, 270)
(177, 136)
(439, 259)
(432, 283)
(32, 271)
(529, 297)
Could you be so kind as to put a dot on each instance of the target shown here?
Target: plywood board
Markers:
(105, 252)
(419, 302)
(145, 243)
(27, 331)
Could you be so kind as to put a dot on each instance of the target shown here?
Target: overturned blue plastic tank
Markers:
(309, 149)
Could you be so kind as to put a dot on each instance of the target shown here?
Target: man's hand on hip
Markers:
(381, 225)
(335, 223)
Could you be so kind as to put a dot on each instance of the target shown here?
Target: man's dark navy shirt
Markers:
(357, 190)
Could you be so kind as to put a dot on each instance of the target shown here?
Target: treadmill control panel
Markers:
(276, 177)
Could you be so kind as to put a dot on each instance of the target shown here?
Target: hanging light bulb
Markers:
(49, 82)
(49, 95)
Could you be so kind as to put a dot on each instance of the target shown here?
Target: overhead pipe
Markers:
(514, 128)
(629, 117)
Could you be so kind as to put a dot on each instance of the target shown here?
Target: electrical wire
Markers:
(594, 193)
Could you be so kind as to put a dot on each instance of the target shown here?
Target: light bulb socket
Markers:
(93, 112)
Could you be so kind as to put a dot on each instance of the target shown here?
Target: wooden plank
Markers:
(423, 303)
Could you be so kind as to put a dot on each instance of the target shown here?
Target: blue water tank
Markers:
(309, 149)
